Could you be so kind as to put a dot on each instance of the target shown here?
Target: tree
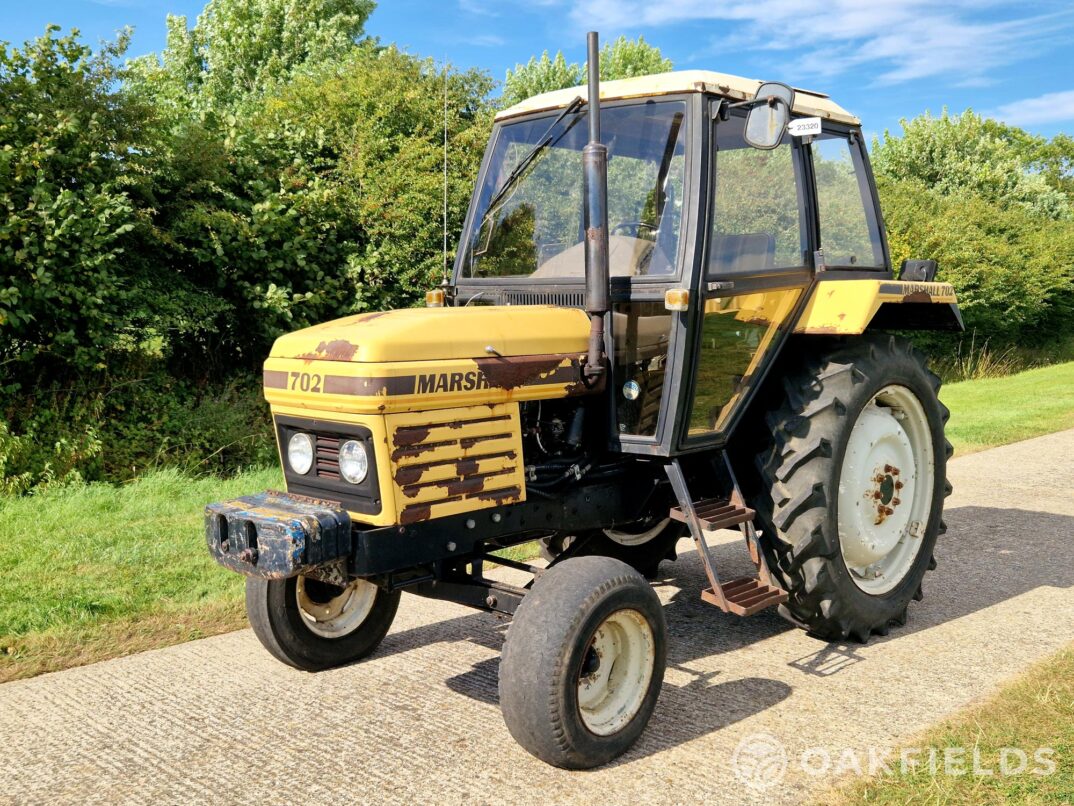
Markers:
(957, 154)
(240, 49)
(623, 58)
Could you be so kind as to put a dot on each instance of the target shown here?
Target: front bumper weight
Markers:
(277, 535)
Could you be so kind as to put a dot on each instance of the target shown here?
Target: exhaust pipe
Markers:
(595, 202)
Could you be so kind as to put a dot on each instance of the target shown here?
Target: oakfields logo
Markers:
(761, 761)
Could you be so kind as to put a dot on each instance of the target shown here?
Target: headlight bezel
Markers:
(359, 450)
(324, 482)
(302, 438)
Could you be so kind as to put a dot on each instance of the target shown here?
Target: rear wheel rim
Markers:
(616, 672)
(332, 612)
(886, 487)
(629, 538)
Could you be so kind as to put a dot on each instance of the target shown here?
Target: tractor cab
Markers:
(722, 211)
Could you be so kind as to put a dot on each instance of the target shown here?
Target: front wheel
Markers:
(853, 486)
(583, 662)
(313, 625)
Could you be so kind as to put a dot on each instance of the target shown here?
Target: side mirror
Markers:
(769, 113)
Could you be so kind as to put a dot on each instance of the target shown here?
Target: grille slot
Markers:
(326, 456)
(568, 299)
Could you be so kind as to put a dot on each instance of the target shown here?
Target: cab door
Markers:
(755, 269)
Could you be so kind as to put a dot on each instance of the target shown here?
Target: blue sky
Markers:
(882, 59)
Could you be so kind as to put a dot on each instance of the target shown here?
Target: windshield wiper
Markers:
(546, 141)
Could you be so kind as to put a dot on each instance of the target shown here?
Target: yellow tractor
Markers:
(669, 315)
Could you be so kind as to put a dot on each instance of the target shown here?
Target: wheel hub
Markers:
(615, 672)
(333, 612)
(885, 487)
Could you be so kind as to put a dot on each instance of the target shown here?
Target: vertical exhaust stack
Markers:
(595, 201)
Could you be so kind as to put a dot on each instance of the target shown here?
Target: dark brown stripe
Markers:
(275, 379)
(369, 386)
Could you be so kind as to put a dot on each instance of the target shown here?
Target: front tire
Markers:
(583, 663)
(853, 484)
(312, 625)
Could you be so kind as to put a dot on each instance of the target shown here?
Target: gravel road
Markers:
(219, 721)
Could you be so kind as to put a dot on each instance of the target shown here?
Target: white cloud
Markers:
(1052, 107)
(963, 41)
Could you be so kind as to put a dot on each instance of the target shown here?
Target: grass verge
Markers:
(997, 411)
(97, 571)
(1034, 711)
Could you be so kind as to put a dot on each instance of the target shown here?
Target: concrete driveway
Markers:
(219, 721)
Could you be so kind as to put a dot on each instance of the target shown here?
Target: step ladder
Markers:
(743, 596)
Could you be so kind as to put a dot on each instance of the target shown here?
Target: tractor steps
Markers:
(715, 513)
(743, 596)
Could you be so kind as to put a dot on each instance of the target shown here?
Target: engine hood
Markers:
(433, 334)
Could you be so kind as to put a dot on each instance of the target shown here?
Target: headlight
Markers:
(353, 461)
(300, 453)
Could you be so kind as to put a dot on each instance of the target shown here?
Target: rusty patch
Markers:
(410, 435)
(510, 372)
(465, 467)
(468, 442)
(917, 296)
(410, 474)
(500, 497)
(415, 513)
(337, 350)
(369, 317)
(417, 450)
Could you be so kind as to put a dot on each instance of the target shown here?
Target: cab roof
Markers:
(806, 102)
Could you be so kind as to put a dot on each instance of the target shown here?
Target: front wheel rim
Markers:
(338, 615)
(886, 486)
(616, 671)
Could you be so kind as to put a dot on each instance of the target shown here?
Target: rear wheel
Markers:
(583, 662)
(313, 625)
(642, 546)
(853, 485)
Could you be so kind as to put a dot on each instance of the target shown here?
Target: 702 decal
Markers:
(306, 381)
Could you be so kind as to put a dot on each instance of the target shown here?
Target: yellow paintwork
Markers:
(439, 334)
(433, 462)
(806, 102)
(428, 370)
(845, 307)
(767, 309)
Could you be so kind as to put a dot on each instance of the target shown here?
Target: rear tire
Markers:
(583, 663)
(314, 626)
(643, 547)
(852, 486)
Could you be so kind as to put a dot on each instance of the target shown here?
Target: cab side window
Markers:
(849, 235)
(756, 225)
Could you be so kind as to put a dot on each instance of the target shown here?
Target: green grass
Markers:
(78, 563)
(997, 411)
(1035, 711)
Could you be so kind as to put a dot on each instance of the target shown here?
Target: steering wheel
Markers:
(634, 226)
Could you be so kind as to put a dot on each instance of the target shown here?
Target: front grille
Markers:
(324, 481)
(326, 456)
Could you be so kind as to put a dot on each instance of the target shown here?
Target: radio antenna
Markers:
(445, 256)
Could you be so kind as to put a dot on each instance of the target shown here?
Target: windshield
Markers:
(531, 225)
